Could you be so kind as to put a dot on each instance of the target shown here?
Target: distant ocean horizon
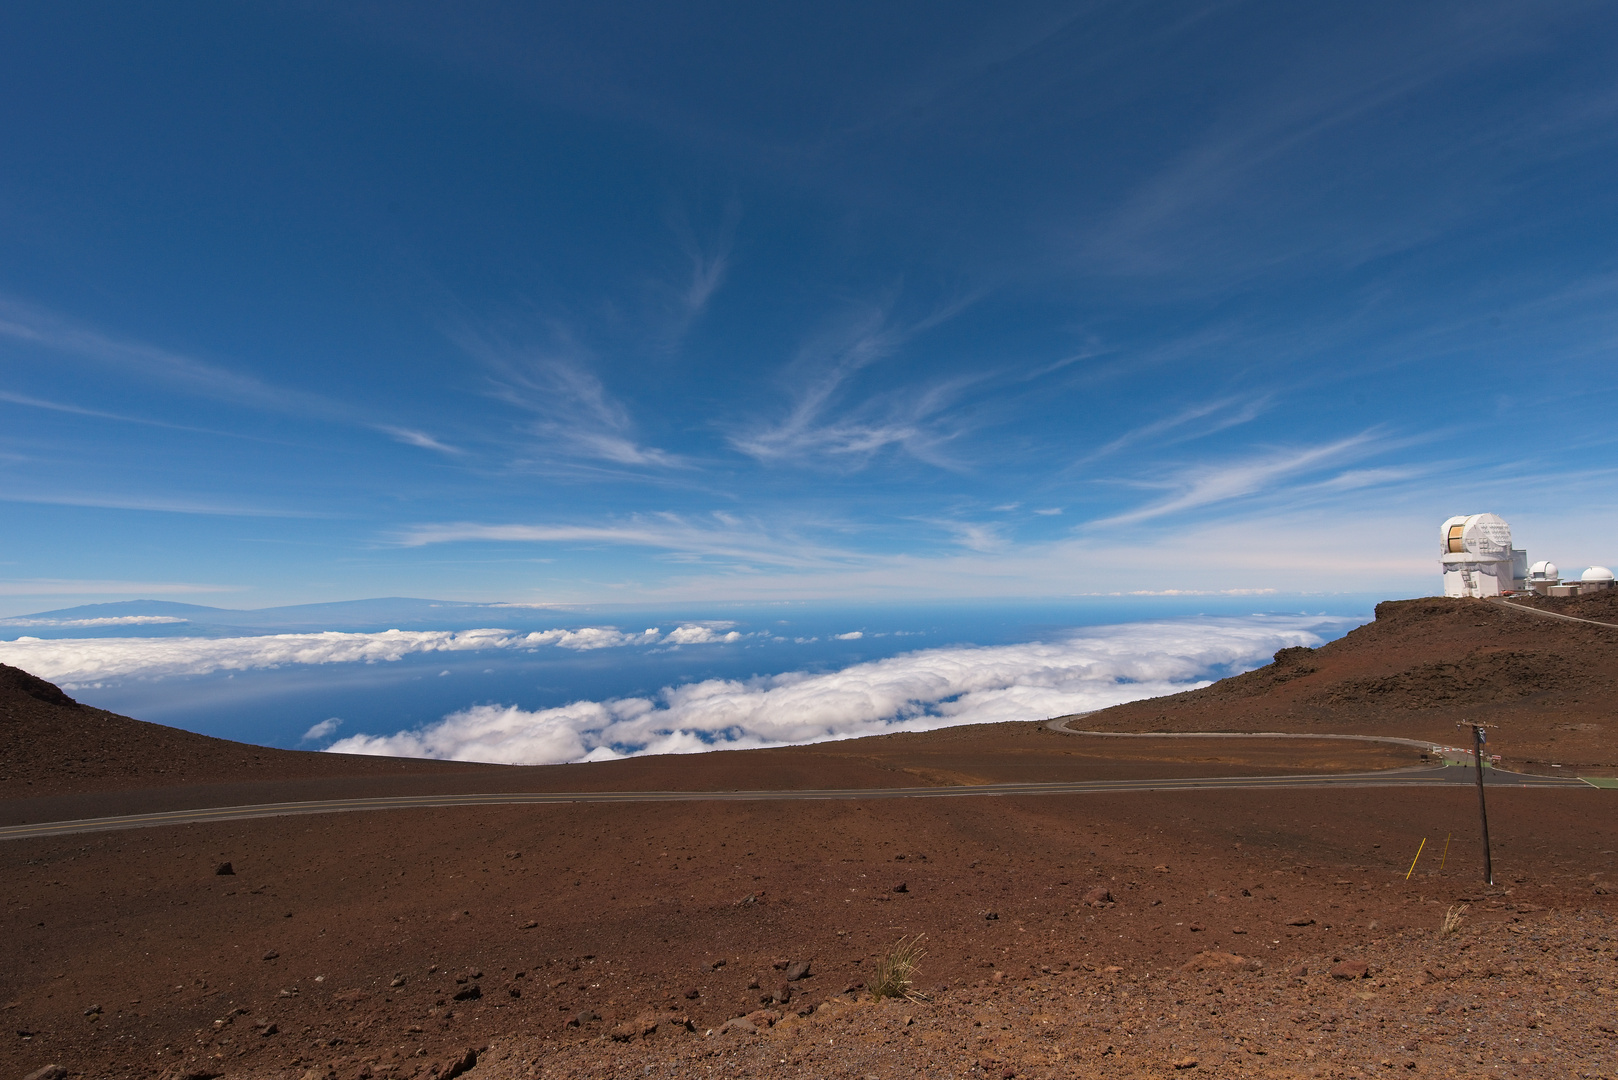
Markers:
(522, 683)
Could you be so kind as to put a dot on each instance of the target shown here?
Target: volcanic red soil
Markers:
(1231, 932)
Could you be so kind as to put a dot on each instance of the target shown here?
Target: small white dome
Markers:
(1544, 570)
(1596, 573)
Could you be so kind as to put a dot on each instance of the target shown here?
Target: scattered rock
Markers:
(692, 994)
(224, 869)
(398, 981)
(1100, 896)
(1213, 960)
(1301, 920)
(644, 1026)
(530, 925)
(715, 965)
(1186, 1062)
(94, 1010)
(456, 1066)
(1350, 969)
(267, 1029)
(740, 1025)
(763, 1017)
(798, 969)
(991, 915)
(271, 955)
(469, 993)
(1298, 971)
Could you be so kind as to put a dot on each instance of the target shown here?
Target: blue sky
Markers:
(648, 302)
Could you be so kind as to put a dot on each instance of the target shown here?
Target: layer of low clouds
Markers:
(81, 661)
(915, 691)
(109, 620)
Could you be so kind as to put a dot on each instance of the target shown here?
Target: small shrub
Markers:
(895, 971)
(1452, 920)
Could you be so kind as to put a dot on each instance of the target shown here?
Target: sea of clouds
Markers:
(917, 691)
(78, 662)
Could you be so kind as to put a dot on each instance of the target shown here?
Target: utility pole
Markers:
(1478, 739)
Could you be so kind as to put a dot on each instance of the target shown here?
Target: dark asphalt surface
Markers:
(1419, 777)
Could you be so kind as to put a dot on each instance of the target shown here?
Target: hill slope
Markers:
(1417, 670)
(51, 744)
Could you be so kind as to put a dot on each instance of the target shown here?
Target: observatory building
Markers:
(1479, 560)
(1478, 557)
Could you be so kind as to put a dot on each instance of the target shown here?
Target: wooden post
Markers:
(1483, 807)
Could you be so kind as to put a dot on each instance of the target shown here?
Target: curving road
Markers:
(1419, 777)
(1542, 613)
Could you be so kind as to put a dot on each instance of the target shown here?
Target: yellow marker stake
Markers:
(1445, 859)
(1413, 862)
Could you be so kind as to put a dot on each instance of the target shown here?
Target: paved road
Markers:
(1417, 777)
(1061, 724)
(1542, 613)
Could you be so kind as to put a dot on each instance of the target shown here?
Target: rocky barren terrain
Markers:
(1252, 933)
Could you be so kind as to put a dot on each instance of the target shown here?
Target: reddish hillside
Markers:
(51, 744)
(1415, 671)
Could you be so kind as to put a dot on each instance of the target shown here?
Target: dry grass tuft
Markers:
(1452, 920)
(895, 971)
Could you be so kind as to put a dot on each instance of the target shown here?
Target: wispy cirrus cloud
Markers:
(821, 426)
(31, 325)
(1200, 486)
(412, 437)
(1218, 199)
(708, 260)
(572, 413)
(1192, 422)
(717, 536)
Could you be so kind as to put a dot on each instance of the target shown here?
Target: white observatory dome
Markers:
(1596, 573)
(1484, 536)
(1543, 570)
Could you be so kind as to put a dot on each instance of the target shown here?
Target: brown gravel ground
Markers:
(388, 945)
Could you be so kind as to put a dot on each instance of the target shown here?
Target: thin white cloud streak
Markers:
(908, 419)
(100, 414)
(411, 437)
(156, 505)
(79, 661)
(1205, 203)
(31, 325)
(1207, 485)
(112, 620)
(572, 410)
(726, 539)
(912, 692)
(708, 262)
(1237, 412)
